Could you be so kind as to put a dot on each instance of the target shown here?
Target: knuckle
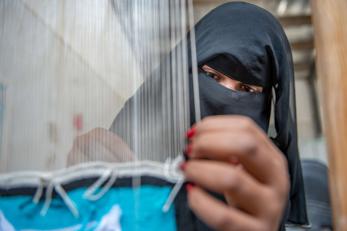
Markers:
(277, 204)
(250, 144)
(246, 123)
(278, 163)
(223, 222)
(277, 192)
(273, 208)
(199, 145)
(233, 181)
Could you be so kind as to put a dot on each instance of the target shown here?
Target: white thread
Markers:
(97, 184)
(104, 189)
(178, 160)
(39, 191)
(196, 94)
(172, 195)
(175, 163)
(167, 167)
(48, 199)
(69, 203)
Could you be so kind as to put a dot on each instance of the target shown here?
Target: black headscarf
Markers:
(246, 42)
(317, 193)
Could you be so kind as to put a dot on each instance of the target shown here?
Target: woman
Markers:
(243, 57)
(247, 44)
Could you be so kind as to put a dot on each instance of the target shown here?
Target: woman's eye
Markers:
(209, 74)
(213, 76)
(216, 77)
(246, 88)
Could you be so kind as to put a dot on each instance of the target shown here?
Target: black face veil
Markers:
(248, 44)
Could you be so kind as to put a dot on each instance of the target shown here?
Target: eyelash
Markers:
(212, 75)
(244, 86)
(247, 88)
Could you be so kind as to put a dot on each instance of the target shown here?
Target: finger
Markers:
(239, 126)
(100, 144)
(218, 215)
(260, 159)
(114, 144)
(244, 191)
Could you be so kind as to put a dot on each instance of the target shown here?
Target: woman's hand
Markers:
(230, 155)
(99, 145)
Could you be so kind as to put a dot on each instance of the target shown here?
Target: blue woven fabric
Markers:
(141, 210)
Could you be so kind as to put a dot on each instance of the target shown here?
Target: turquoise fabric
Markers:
(140, 210)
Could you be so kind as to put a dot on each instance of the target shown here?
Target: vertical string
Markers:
(185, 71)
(156, 31)
(194, 63)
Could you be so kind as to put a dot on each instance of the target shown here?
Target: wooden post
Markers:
(330, 25)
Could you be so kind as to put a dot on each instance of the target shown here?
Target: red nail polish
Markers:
(190, 133)
(183, 166)
(189, 187)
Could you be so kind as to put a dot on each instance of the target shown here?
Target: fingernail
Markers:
(188, 150)
(183, 166)
(189, 187)
(190, 133)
